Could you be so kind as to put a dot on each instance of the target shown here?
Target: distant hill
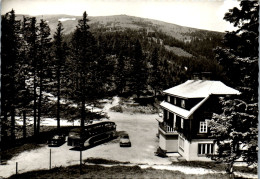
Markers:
(123, 21)
(182, 41)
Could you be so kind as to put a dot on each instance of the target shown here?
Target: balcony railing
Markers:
(166, 128)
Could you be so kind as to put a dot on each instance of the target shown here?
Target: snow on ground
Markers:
(65, 122)
(52, 98)
(49, 122)
(67, 19)
(110, 104)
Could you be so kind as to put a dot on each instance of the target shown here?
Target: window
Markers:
(175, 101)
(174, 120)
(182, 121)
(203, 127)
(167, 115)
(183, 103)
(204, 149)
(181, 143)
(168, 99)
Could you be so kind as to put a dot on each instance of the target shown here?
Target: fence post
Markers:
(80, 161)
(50, 158)
(16, 168)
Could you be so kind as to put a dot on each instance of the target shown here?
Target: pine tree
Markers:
(30, 38)
(59, 53)
(10, 55)
(155, 73)
(43, 56)
(23, 70)
(237, 126)
(85, 57)
(139, 70)
(121, 74)
(241, 53)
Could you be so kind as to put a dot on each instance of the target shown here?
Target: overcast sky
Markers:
(202, 14)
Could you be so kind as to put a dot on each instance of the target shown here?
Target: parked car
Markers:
(125, 141)
(56, 141)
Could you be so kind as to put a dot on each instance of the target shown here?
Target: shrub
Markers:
(117, 108)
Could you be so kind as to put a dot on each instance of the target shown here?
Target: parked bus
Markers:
(91, 134)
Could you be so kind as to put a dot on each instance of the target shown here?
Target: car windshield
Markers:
(74, 134)
(125, 137)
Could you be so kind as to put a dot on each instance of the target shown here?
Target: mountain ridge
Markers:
(122, 21)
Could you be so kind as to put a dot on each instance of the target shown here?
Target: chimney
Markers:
(201, 76)
(195, 76)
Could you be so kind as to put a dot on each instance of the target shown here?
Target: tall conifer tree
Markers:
(10, 54)
(85, 56)
(42, 61)
(139, 70)
(59, 53)
(236, 127)
(30, 37)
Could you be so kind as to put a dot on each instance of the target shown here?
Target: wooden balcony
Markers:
(166, 128)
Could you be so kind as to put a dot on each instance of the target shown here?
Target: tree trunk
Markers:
(3, 126)
(34, 106)
(24, 124)
(155, 92)
(4, 122)
(77, 82)
(12, 124)
(58, 100)
(83, 102)
(231, 170)
(39, 104)
(83, 115)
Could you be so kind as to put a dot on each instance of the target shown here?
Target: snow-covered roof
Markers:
(184, 113)
(201, 89)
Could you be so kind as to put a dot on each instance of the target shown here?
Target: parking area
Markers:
(142, 129)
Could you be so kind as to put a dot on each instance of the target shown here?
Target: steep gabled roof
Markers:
(196, 89)
(184, 113)
(201, 89)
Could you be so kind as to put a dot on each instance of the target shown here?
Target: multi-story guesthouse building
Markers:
(186, 109)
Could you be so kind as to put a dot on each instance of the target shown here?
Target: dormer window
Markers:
(203, 127)
(183, 103)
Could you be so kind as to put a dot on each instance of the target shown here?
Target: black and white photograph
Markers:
(137, 89)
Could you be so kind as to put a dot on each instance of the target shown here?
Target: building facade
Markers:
(187, 108)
